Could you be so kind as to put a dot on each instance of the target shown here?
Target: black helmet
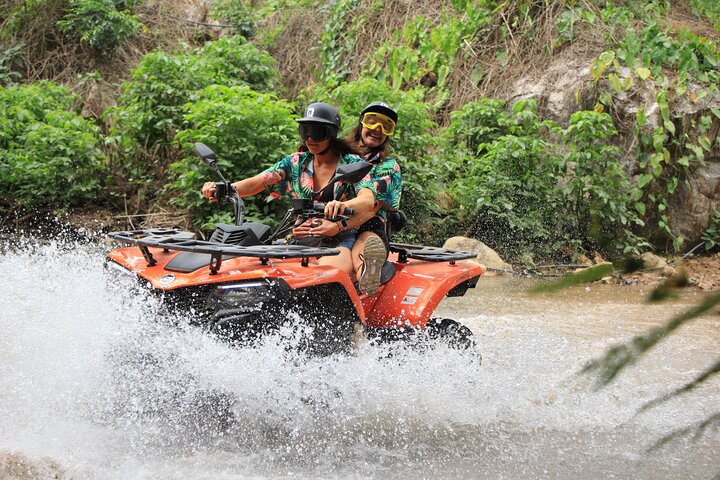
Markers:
(321, 113)
(381, 107)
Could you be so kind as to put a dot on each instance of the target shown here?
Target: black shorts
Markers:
(376, 225)
(344, 239)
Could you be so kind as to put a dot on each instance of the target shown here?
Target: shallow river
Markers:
(90, 378)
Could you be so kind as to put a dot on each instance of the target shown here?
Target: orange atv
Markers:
(245, 282)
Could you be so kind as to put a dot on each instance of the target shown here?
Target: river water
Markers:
(94, 379)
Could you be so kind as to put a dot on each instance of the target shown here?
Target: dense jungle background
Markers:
(544, 128)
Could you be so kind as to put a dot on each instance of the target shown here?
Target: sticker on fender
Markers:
(414, 291)
(412, 295)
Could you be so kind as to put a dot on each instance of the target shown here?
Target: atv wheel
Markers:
(454, 334)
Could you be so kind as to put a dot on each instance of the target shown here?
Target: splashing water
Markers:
(94, 377)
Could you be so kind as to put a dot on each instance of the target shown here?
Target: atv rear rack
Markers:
(429, 254)
(177, 240)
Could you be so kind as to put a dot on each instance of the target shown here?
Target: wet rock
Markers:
(555, 89)
(650, 260)
(583, 260)
(694, 203)
(565, 86)
(486, 256)
(16, 466)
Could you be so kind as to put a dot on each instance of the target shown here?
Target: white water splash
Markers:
(97, 380)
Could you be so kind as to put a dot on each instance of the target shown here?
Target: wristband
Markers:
(343, 225)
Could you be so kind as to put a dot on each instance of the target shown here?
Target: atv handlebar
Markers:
(305, 209)
(224, 192)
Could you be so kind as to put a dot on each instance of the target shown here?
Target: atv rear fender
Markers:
(417, 288)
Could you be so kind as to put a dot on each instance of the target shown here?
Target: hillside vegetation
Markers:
(541, 127)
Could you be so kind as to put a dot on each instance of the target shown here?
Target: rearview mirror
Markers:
(205, 153)
(352, 172)
(349, 173)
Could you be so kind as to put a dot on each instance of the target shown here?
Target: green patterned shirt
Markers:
(298, 178)
(387, 180)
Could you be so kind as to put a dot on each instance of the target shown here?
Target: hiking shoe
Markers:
(373, 257)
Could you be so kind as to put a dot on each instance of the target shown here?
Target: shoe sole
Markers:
(374, 257)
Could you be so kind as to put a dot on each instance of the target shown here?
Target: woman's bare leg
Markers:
(343, 261)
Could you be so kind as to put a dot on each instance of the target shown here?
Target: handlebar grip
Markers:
(349, 211)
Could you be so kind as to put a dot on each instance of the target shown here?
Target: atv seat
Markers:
(387, 272)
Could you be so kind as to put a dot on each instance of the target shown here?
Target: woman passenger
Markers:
(371, 138)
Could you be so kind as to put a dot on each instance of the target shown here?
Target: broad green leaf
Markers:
(643, 73)
(615, 82)
(627, 83)
(705, 142)
(669, 126)
(644, 179)
(607, 57)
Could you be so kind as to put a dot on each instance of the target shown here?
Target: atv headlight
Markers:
(242, 292)
(116, 267)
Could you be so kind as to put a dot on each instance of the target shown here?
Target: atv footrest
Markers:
(429, 254)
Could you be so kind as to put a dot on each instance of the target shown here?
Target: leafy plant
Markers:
(249, 131)
(711, 235)
(237, 13)
(152, 104)
(420, 50)
(9, 58)
(338, 42)
(104, 25)
(504, 176)
(49, 155)
(667, 153)
(597, 193)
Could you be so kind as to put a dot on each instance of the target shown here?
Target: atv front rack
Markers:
(429, 254)
(177, 240)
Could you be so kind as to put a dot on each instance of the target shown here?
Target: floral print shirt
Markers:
(298, 178)
(388, 184)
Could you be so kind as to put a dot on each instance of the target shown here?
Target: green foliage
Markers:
(248, 131)
(338, 43)
(420, 50)
(152, 104)
(504, 175)
(9, 59)
(478, 123)
(709, 9)
(566, 24)
(104, 25)
(237, 13)
(711, 235)
(525, 185)
(49, 155)
(667, 153)
(597, 192)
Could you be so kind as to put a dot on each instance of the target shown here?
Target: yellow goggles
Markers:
(373, 120)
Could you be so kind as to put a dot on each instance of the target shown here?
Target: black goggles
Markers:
(314, 131)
